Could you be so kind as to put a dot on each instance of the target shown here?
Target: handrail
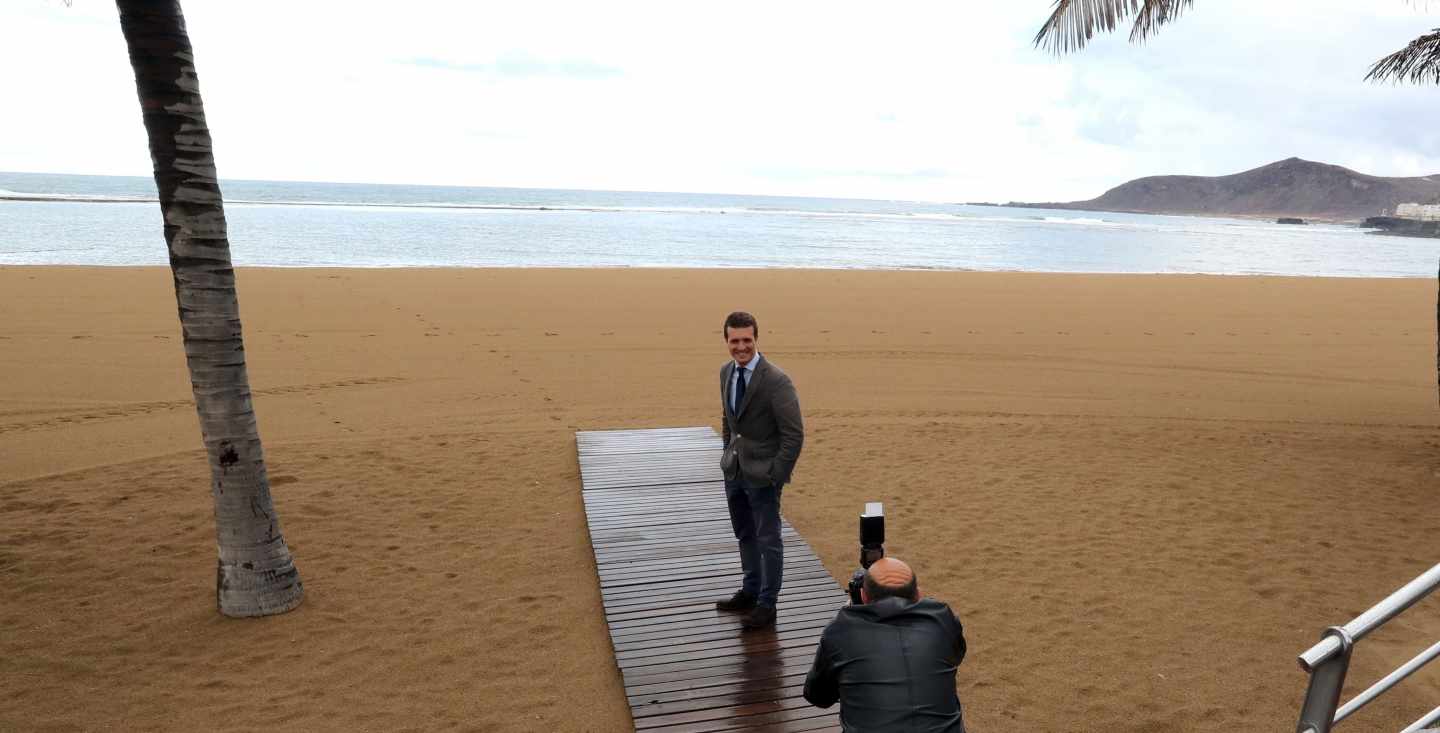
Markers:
(1390, 680)
(1374, 618)
(1430, 718)
(1328, 660)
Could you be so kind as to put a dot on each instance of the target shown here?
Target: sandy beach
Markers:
(1143, 495)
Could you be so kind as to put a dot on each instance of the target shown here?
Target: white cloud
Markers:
(932, 100)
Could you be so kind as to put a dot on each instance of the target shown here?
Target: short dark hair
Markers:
(739, 319)
(910, 591)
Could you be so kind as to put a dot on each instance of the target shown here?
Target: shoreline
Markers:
(679, 268)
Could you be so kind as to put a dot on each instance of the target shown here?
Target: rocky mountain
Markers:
(1291, 187)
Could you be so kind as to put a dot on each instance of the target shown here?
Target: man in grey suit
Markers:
(763, 435)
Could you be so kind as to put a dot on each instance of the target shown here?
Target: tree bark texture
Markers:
(256, 575)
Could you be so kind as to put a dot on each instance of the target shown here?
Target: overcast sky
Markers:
(943, 101)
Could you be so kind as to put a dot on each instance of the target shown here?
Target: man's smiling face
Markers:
(742, 344)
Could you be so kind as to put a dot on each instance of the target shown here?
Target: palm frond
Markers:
(1074, 22)
(1155, 14)
(1418, 63)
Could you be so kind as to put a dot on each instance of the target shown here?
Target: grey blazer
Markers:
(764, 436)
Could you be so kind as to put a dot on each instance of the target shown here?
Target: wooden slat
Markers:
(798, 617)
(729, 571)
(784, 616)
(664, 552)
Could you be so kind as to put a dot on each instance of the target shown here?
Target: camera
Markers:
(872, 546)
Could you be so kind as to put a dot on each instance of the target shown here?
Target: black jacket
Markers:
(891, 664)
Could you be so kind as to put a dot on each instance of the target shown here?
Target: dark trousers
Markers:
(755, 517)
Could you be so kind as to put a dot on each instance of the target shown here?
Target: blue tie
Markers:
(739, 388)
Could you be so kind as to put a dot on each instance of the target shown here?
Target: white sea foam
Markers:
(1078, 220)
(6, 194)
(453, 206)
(851, 214)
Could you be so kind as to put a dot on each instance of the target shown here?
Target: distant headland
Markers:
(1291, 188)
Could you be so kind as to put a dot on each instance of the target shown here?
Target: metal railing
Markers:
(1328, 660)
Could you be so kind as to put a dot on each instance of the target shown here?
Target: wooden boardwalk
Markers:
(664, 550)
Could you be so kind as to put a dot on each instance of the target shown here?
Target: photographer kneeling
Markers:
(890, 661)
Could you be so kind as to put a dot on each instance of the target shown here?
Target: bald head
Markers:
(889, 577)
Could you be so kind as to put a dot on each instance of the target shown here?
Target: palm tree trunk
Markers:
(256, 575)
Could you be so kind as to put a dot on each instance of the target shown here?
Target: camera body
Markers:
(872, 546)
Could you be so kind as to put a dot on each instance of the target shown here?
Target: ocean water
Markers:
(111, 220)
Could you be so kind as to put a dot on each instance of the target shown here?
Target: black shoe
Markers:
(741, 601)
(760, 618)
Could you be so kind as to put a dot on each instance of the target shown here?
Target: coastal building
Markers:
(1423, 212)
